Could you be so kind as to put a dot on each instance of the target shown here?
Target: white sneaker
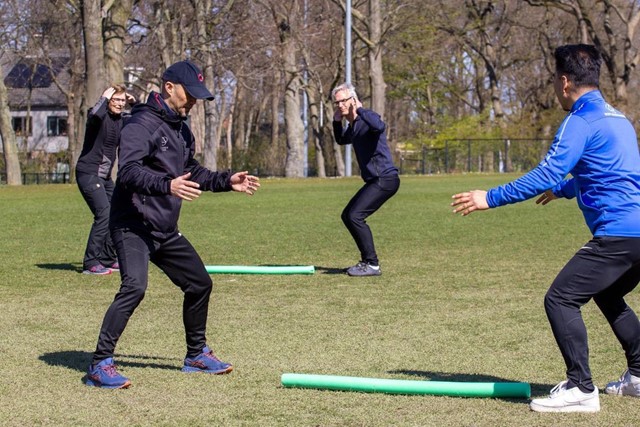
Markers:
(562, 399)
(627, 385)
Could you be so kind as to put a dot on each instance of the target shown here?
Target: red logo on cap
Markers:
(200, 77)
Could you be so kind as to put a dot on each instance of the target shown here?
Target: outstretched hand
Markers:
(467, 202)
(546, 197)
(245, 183)
(183, 188)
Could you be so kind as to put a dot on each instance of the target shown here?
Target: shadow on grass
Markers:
(68, 267)
(330, 270)
(537, 390)
(80, 360)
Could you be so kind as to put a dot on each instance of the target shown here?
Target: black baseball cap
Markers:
(188, 75)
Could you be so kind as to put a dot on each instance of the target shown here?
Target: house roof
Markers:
(30, 81)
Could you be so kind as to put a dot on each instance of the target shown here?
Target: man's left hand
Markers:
(245, 183)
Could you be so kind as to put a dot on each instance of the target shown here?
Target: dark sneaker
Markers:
(115, 267)
(206, 362)
(105, 375)
(97, 270)
(364, 269)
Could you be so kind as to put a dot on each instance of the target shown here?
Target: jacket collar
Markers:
(587, 97)
(156, 104)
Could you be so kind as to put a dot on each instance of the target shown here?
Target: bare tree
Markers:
(611, 26)
(372, 27)
(286, 18)
(206, 22)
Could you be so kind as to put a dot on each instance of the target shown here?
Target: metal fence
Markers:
(475, 155)
(456, 156)
(40, 178)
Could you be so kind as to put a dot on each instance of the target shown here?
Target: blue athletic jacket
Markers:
(598, 146)
(369, 143)
(156, 146)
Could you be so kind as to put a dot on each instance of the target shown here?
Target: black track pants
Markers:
(97, 193)
(365, 202)
(180, 262)
(605, 269)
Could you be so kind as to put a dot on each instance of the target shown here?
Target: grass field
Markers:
(460, 299)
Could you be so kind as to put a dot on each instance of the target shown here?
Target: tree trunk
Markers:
(275, 110)
(210, 147)
(9, 145)
(294, 164)
(163, 29)
(239, 117)
(76, 120)
(337, 149)
(94, 49)
(317, 130)
(376, 73)
(230, 125)
(114, 36)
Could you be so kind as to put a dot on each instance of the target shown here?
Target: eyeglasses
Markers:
(342, 101)
(118, 101)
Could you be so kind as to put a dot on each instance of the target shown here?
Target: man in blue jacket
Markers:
(598, 146)
(157, 170)
(366, 132)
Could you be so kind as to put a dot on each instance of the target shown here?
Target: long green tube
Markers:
(246, 269)
(438, 388)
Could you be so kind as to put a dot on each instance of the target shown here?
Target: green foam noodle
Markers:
(437, 388)
(248, 269)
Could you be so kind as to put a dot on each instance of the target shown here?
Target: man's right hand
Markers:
(183, 188)
(108, 93)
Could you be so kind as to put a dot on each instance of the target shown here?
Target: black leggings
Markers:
(605, 269)
(97, 193)
(365, 202)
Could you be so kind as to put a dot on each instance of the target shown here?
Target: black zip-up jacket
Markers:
(101, 139)
(156, 146)
(369, 143)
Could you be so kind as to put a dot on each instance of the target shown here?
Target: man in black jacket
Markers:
(93, 175)
(157, 170)
(366, 133)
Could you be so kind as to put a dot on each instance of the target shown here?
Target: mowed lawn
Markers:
(460, 299)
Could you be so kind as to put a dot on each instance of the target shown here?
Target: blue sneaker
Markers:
(206, 362)
(105, 375)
